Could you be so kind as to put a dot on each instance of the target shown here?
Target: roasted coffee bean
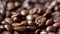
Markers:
(32, 27)
(7, 27)
(40, 19)
(10, 5)
(33, 11)
(30, 17)
(49, 22)
(5, 32)
(35, 15)
(31, 23)
(9, 20)
(20, 28)
(37, 31)
(57, 24)
(51, 29)
(24, 23)
(17, 4)
(16, 24)
(24, 12)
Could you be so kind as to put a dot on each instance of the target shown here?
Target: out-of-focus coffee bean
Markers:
(43, 32)
(5, 32)
(34, 1)
(56, 8)
(2, 12)
(30, 17)
(37, 31)
(32, 27)
(21, 28)
(7, 27)
(51, 29)
(40, 19)
(24, 23)
(8, 13)
(1, 26)
(49, 22)
(15, 32)
(53, 3)
(52, 33)
(16, 24)
(31, 23)
(10, 6)
(25, 32)
(33, 11)
(9, 20)
(24, 12)
(35, 15)
(17, 4)
(57, 24)
(1, 18)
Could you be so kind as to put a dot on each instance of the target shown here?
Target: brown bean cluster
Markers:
(29, 16)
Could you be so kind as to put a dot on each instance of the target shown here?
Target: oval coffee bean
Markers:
(37, 31)
(51, 29)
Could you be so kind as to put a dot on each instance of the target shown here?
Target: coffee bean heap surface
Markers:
(29, 16)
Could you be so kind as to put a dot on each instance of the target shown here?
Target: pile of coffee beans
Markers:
(29, 16)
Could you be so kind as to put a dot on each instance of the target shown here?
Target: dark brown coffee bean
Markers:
(9, 20)
(16, 4)
(51, 29)
(24, 12)
(30, 17)
(40, 20)
(57, 24)
(31, 23)
(49, 22)
(21, 28)
(5, 32)
(32, 27)
(10, 6)
(37, 31)
(35, 15)
(33, 11)
(7, 27)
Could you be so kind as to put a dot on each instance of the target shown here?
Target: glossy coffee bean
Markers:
(52, 33)
(30, 17)
(9, 20)
(37, 31)
(51, 29)
(7, 27)
(43, 32)
(33, 11)
(31, 23)
(40, 20)
(57, 24)
(49, 22)
(24, 12)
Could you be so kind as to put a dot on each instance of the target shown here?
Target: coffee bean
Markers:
(43, 32)
(49, 22)
(30, 17)
(15, 32)
(57, 24)
(21, 28)
(52, 33)
(37, 31)
(51, 29)
(31, 23)
(9, 20)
